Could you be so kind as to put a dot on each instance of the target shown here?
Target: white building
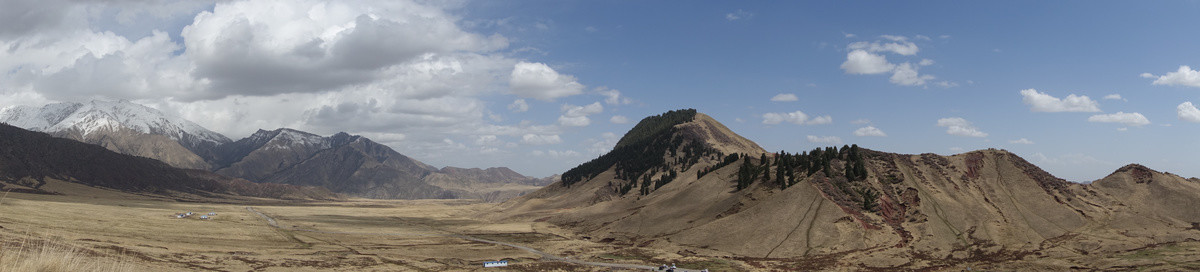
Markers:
(495, 264)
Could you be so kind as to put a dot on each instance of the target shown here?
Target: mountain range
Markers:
(347, 164)
(35, 162)
(677, 179)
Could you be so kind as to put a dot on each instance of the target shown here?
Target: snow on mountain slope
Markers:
(90, 117)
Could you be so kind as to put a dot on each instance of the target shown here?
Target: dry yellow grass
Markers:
(52, 257)
(95, 226)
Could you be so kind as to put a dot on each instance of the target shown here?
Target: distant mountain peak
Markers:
(100, 115)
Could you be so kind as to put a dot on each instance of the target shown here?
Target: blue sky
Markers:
(441, 81)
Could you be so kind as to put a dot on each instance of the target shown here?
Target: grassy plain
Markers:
(103, 230)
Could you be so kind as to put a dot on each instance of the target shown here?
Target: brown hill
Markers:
(357, 166)
(29, 160)
(852, 207)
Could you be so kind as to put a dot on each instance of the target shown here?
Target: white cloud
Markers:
(865, 63)
(796, 117)
(1115, 97)
(618, 119)
(906, 75)
(1042, 102)
(538, 139)
(519, 105)
(820, 120)
(539, 81)
(1188, 112)
(486, 141)
(613, 96)
(1147, 75)
(785, 97)
(849, 35)
(556, 154)
(577, 116)
(1021, 141)
(869, 131)
(925, 62)
(1128, 119)
(1185, 76)
(829, 140)
(946, 84)
(604, 144)
(960, 127)
(739, 15)
(900, 45)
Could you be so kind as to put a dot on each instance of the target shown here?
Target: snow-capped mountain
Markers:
(97, 115)
(124, 127)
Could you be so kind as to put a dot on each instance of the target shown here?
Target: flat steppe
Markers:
(142, 233)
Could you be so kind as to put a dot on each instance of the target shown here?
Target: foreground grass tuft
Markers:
(51, 257)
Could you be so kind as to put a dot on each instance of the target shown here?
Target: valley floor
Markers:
(117, 231)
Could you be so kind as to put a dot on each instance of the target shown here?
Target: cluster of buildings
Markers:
(208, 216)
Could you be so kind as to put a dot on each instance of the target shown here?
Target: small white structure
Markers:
(204, 217)
(495, 264)
(212, 213)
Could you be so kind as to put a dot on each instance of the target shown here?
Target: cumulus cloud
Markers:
(866, 58)
(618, 119)
(960, 127)
(899, 45)
(556, 154)
(906, 74)
(577, 116)
(1021, 141)
(1128, 119)
(1188, 112)
(613, 96)
(785, 97)
(264, 48)
(519, 105)
(538, 139)
(829, 140)
(796, 117)
(602, 145)
(410, 74)
(1115, 97)
(1185, 76)
(538, 81)
(869, 131)
(1042, 102)
(861, 62)
(820, 120)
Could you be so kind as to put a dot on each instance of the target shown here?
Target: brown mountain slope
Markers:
(29, 160)
(127, 141)
(492, 185)
(987, 207)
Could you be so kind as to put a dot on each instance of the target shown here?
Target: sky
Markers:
(1078, 88)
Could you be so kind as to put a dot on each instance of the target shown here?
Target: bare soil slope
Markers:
(867, 209)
